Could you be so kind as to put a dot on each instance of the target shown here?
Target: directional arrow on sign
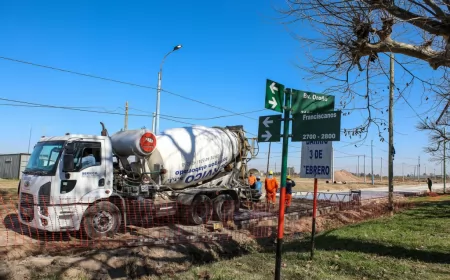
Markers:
(273, 88)
(267, 121)
(273, 102)
(274, 96)
(267, 135)
(269, 128)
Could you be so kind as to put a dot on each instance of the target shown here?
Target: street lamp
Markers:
(158, 90)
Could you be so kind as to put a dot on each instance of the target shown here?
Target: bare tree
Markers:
(349, 46)
(439, 134)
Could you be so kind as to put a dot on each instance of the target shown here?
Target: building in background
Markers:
(291, 171)
(12, 165)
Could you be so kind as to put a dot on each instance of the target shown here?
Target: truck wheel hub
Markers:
(103, 221)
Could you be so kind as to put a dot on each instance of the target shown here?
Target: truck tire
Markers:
(101, 220)
(224, 206)
(200, 211)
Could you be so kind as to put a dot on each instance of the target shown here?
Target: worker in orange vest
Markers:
(289, 185)
(271, 186)
(252, 180)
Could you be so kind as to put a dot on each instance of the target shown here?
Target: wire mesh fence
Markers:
(47, 222)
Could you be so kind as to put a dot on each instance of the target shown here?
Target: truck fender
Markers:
(114, 198)
(186, 198)
(95, 195)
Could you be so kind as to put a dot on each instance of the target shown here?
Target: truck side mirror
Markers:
(70, 148)
(68, 165)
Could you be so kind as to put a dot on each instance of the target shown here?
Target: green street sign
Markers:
(269, 128)
(274, 96)
(310, 102)
(317, 126)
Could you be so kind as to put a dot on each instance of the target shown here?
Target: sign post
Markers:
(284, 161)
(313, 229)
(317, 162)
(316, 124)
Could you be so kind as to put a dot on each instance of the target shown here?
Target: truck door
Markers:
(88, 179)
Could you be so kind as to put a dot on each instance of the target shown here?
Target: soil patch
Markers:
(151, 262)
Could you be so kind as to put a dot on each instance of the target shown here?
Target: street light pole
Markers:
(158, 90)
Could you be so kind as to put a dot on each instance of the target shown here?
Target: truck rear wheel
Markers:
(200, 211)
(223, 207)
(102, 219)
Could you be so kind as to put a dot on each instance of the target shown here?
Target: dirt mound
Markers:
(345, 176)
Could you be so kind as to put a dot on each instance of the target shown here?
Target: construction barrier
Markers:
(139, 224)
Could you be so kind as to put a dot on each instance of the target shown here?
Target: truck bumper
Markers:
(53, 218)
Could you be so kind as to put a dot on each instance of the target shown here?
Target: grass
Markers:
(414, 244)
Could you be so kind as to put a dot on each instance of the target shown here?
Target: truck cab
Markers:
(57, 185)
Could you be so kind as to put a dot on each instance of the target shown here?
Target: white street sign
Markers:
(317, 160)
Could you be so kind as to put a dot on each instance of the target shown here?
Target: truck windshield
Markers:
(44, 159)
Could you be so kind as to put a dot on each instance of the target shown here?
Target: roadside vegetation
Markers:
(411, 245)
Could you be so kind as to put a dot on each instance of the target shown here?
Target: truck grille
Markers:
(27, 207)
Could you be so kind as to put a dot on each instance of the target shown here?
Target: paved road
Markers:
(370, 193)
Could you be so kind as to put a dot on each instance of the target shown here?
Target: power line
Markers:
(347, 153)
(37, 105)
(121, 82)
(210, 118)
(118, 81)
(76, 73)
(88, 109)
(81, 109)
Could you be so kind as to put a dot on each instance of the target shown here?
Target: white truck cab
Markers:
(56, 188)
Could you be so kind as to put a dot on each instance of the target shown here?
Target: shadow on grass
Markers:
(334, 243)
(430, 210)
(329, 241)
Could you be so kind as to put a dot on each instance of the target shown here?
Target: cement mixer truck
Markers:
(98, 183)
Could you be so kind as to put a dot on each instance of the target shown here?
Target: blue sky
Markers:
(229, 49)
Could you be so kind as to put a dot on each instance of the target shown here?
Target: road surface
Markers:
(370, 193)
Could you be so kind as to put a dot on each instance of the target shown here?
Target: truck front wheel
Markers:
(101, 220)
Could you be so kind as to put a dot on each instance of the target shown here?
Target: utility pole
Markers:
(268, 159)
(391, 135)
(381, 170)
(158, 89)
(332, 158)
(125, 125)
(154, 123)
(358, 166)
(403, 174)
(445, 111)
(371, 151)
(418, 170)
(364, 168)
(29, 140)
